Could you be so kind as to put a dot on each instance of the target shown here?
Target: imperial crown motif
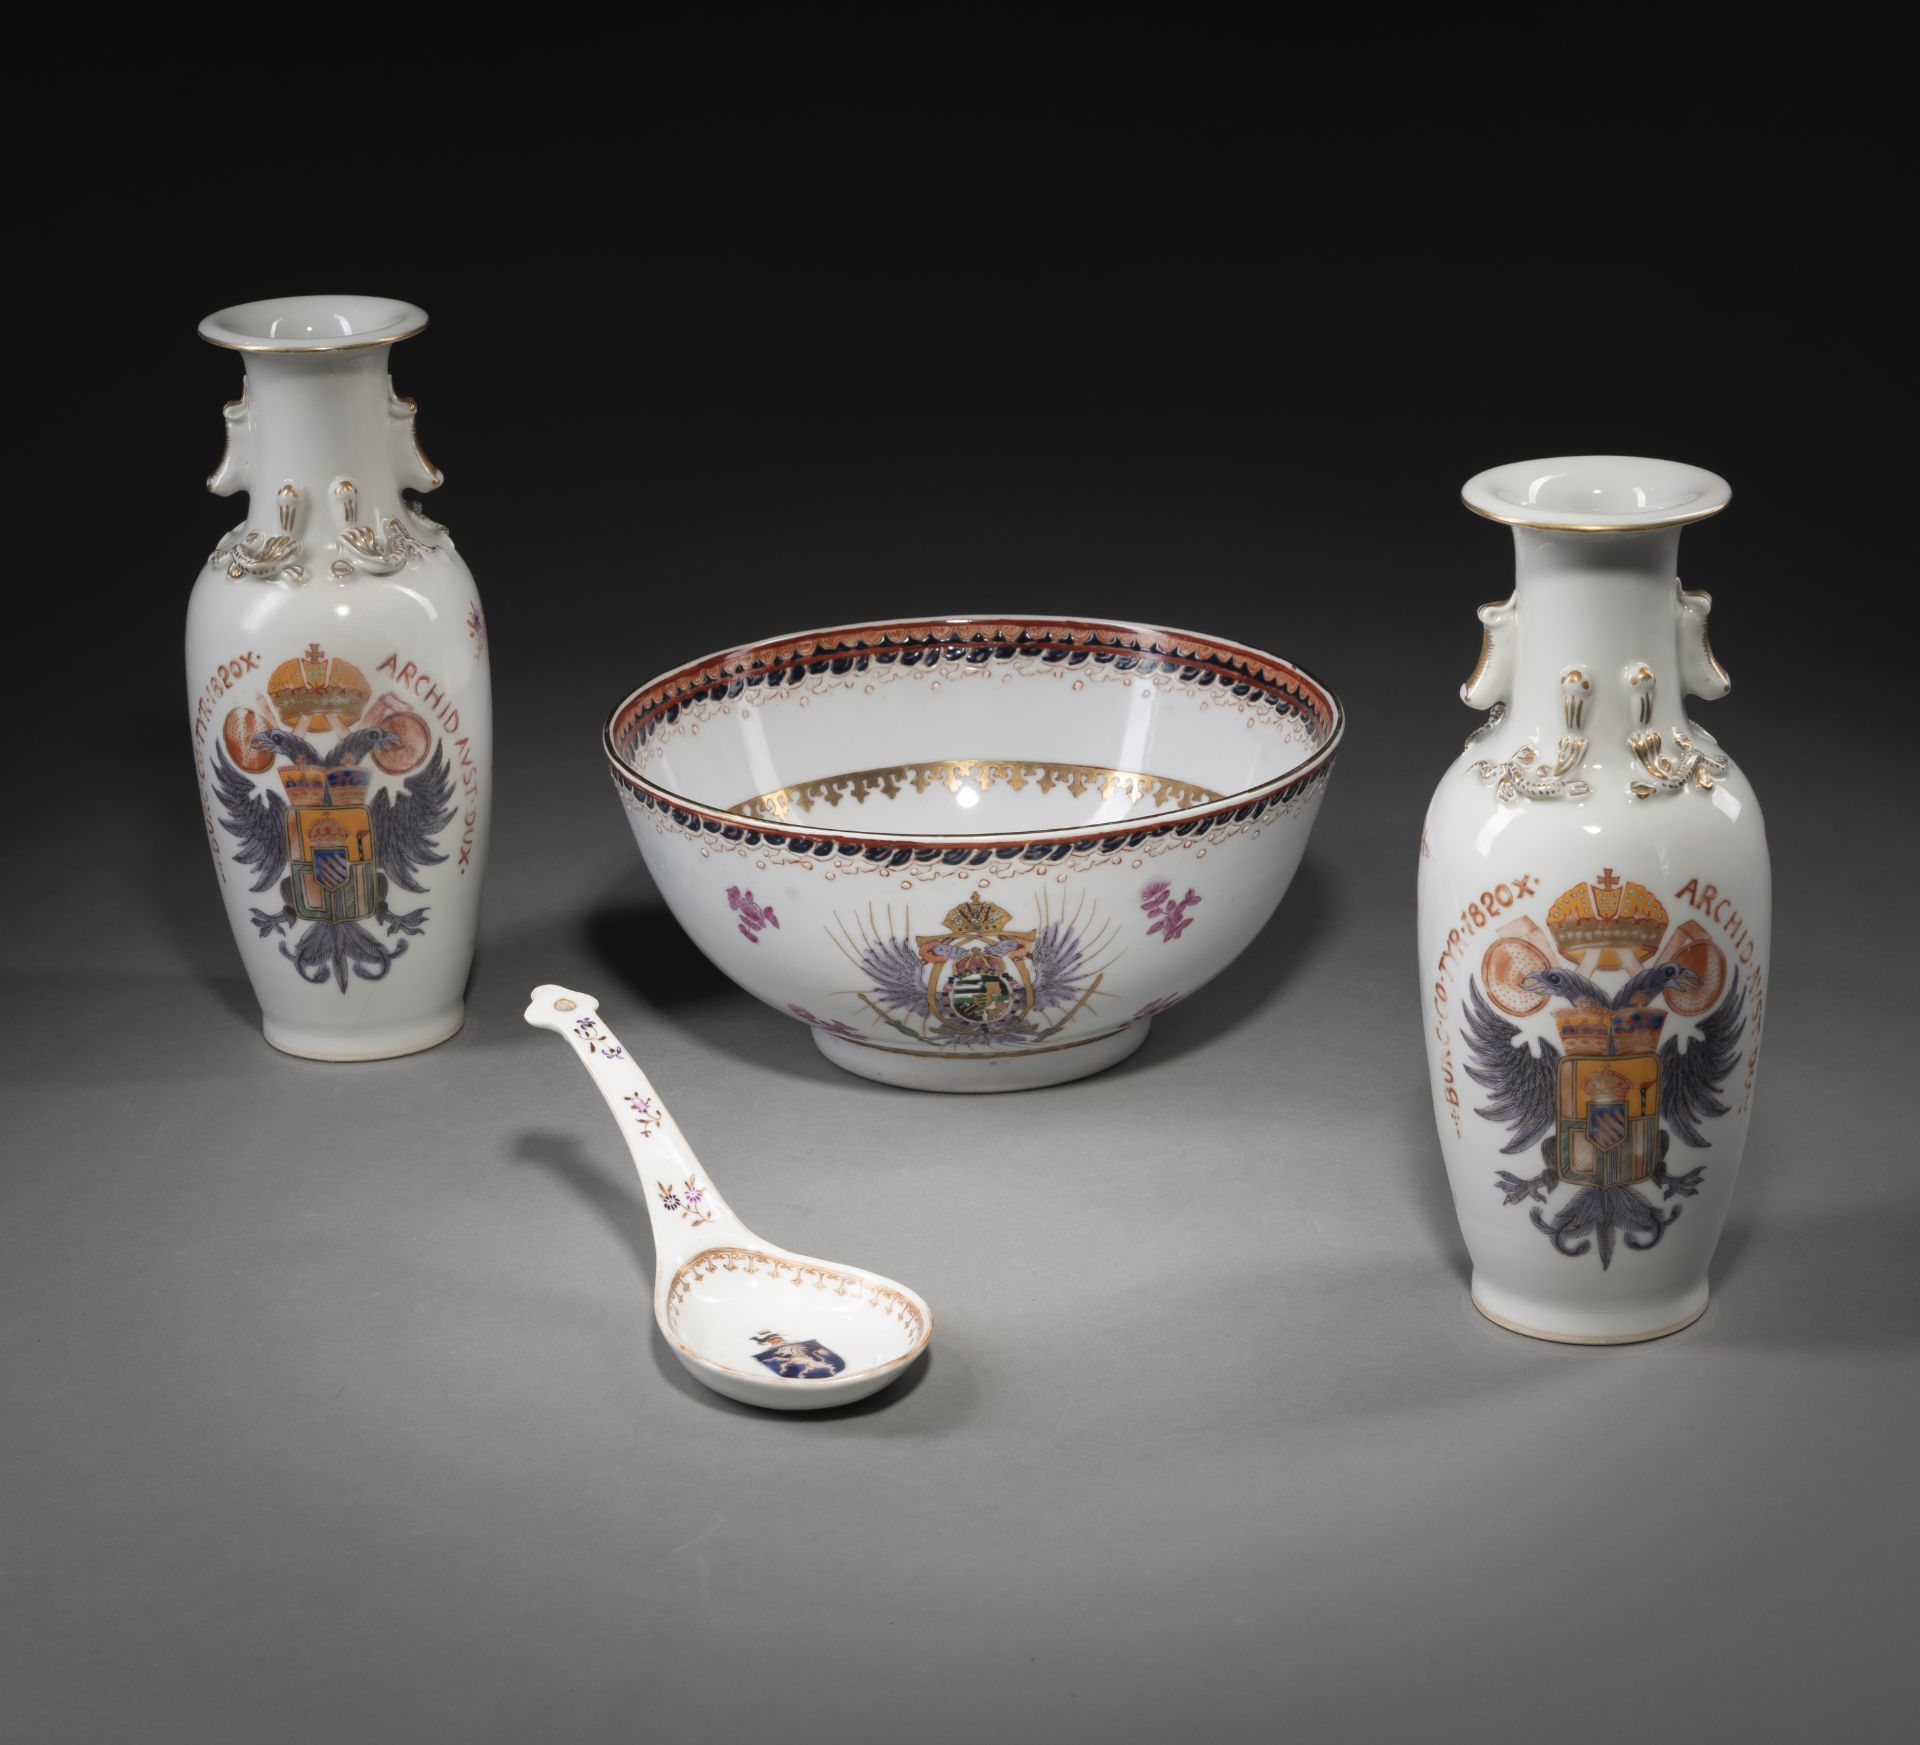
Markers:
(324, 693)
(1604, 918)
(1591, 1033)
(975, 917)
(1607, 1086)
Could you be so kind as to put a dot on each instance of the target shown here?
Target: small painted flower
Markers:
(1157, 899)
(1172, 924)
(688, 1200)
(613, 1051)
(839, 1026)
(1154, 1007)
(753, 917)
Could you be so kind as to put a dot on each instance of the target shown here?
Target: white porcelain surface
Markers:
(1590, 834)
(1596, 493)
(747, 1318)
(337, 629)
(975, 854)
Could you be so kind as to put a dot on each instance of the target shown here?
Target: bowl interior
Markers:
(954, 728)
(764, 1314)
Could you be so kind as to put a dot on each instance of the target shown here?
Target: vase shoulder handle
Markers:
(1701, 674)
(231, 474)
(1491, 680)
(410, 464)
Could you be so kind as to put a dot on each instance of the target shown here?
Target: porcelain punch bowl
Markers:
(975, 854)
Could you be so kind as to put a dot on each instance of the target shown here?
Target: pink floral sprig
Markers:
(1170, 913)
(689, 1199)
(754, 918)
(838, 1026)
(597, 1040)
(1153, 1008)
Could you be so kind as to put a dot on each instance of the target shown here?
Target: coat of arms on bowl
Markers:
(982, 981)
(1601, 1110)
(337, 844)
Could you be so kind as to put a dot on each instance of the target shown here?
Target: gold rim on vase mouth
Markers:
(1679, 519)
(977, 774)
(409, 319)
(1680, 494)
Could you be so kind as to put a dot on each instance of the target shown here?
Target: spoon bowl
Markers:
(749, 1319)
(852, 1331)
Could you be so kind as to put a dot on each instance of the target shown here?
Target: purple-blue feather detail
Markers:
(1521, 1082)
(1691, 1078)
(254, 818)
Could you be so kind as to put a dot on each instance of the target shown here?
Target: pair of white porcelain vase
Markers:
(337, 679)
(1595, 913)
(1594, 901)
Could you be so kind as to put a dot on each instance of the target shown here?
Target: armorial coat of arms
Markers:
(982, 981)
(1604, 1104)
(337, 844)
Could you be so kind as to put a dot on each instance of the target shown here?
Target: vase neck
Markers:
(1592, 614)
(320, 443)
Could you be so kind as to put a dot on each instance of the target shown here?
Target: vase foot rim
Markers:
(316, 1047)
(1558, 1338)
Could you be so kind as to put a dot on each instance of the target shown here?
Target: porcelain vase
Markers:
(1595, 909)
(337, 684)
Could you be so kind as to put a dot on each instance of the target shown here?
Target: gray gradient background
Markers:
(331, 1406)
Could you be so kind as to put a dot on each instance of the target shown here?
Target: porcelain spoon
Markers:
(753, 1321)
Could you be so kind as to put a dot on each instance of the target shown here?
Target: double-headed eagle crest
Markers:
(1596, 1104)
(982, 981)
(336, 852)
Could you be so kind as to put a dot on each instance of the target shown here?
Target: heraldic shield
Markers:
(330, 863)
(1608, 1098)
(798, 1359)
(978, 975)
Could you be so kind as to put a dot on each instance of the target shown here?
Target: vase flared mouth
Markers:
(313, 324)
(1596, 493)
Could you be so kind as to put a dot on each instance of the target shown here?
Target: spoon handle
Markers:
(687, 1210)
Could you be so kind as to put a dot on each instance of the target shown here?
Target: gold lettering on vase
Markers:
(1475, 917)
(1723, 913)
(435, 698)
